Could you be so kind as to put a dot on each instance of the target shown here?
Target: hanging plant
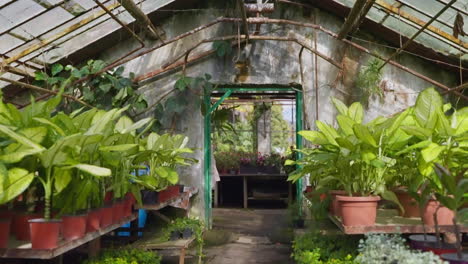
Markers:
(368, 81)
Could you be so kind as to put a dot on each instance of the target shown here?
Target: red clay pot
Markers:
(334, 205)
(73, 226)
(118, 211)
(409, 204)
(5, 224)
(44, 233)
(169, 193)
(106, 216)
(358, 210)
(21, 225)
(444, 215)
(8, 214)
(109, 196)
(93, 221)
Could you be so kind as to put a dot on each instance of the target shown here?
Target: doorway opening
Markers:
(250, 131)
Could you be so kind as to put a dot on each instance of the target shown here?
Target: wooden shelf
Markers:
(23, 250)
(388, 221)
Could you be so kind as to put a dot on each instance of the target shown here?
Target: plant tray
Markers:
(388, 221)
(23, 250)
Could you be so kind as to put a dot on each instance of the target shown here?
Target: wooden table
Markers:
(22, 249)
(245, 177)
(388, 221)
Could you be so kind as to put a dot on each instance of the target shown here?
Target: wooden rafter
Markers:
(142, 19)
(355, 17)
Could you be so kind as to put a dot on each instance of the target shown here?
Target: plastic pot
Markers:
(21, 225)
(452, 258)
(106, 216)
(358, 210)
(74, 226)
(175, 235)
(5, 224)
(409, 204)
(93, 221)
(44, 233)
(418, 241)
(444, 215)
(334, 205)
(187, 233)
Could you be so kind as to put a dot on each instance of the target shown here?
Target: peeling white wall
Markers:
(274, 62)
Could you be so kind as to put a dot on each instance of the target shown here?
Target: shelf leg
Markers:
(245, 190)
(94, 246)
(182, 256)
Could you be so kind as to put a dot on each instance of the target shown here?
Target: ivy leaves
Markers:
(222, 47)
(104, 90)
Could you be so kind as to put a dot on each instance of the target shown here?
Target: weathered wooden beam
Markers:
(357, 14)
(260, 8)
(143, 20)
(364, 12)
(244, 18)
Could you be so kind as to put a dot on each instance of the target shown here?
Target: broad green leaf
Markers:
(417, 131)
(50, 124)
(93, 170)
(431, 152)
(356, 112)
(329, 132)
(340, 106)
(62, 179)
(314, 137)
(346, 124)
(363, 133)
(19, 138)
(35, 134)
(173, 176)
(443, 125)
(57, 154)
(390, 196)
(127, 149)
(345, 143)
(139, 124)
(16, 182)
(427, 104)
(18, 155)
(419, 145)
(123, 123)
(56, 69)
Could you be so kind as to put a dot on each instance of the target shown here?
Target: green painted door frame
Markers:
(207, 139)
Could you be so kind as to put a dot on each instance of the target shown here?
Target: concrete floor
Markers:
(244, 236)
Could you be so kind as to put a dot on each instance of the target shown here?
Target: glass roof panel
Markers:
(7, 41)
(17, 12)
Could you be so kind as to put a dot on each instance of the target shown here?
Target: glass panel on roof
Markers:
(4, 2)
(43, 23)
(18, 12)
(87, 4)
(7, 42)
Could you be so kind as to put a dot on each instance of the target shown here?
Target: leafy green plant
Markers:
(324, 249)
(222, 47)
(106, 90)
(389, 249)
(368, 80)
(126, 256)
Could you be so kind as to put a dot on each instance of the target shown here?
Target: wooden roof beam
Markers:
(406, 44)
(355, 17)
(143, 20)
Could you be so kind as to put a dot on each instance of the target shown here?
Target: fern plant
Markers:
(368, 81)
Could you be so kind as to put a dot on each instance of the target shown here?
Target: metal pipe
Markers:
(422, 12)
(244, 19)
(454, 7)
(417, 34)
(259, 8)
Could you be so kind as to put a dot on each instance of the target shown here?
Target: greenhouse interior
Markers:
(232, 132)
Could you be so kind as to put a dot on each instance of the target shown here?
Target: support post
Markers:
(357, 14)
(299, 103)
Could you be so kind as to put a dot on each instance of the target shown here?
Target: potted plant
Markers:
(357, 156)
(453, 195)
(248, 162)
(273, 163)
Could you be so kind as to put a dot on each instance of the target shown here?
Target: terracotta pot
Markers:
(73, 226)
(409, 204)
(452, 258)
(444, 215)
(93, 221)
(8, 214)
(108, 196)
(334, 205)
(106, 216)
(169, 193)
(358, 210)
(21, 225)
(44, 233)
(117, 211)
(5, 224)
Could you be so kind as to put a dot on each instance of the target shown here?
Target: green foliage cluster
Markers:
(126, 256)
(368, 80)
(77, 157)
(104, 90)
(315, 248)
